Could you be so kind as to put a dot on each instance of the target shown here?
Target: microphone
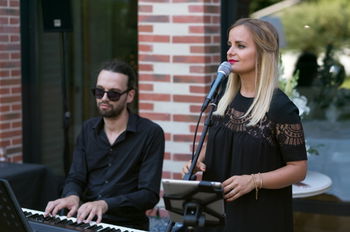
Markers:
(223, 71)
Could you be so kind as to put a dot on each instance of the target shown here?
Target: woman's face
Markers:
(242, 51)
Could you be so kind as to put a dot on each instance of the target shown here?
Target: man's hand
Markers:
(89, 210)
(71, 203)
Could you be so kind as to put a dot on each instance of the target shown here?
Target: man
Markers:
(117, 162)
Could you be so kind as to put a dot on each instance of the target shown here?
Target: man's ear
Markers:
(131, 95)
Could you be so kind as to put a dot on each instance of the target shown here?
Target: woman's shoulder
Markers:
(282, 109)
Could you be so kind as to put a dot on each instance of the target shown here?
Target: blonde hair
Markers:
(266, 40)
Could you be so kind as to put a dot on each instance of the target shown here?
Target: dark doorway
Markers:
(102, 30)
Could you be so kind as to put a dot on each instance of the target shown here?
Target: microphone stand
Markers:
(190, 175)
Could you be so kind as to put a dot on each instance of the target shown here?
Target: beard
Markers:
(113, 112)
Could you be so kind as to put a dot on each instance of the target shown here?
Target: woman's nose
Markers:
(230, 51)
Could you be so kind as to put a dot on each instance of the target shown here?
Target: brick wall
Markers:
(10, 81)
(179, 53)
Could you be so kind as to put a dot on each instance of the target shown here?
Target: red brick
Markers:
(145, 28)
(16, 124)
(194, 1)
(177, 175)
(156, 116)
(145, 87)
(191, 59)
(193, 128)
(167, 155)
(145, 48)
(14, 21)
(15, 55)
(191, 79)
(4, 143)
(154, 58)
(10, 99)
(204, 29)
(215, 19)
(4, 38)
(191, 19)
(195, 108)
(203, 69)
(9, 12)
(153, 19)
(182, 157)
(17, 141)
(199, 89)
(4, 126)
(15, 73)
(16, 159)
(145, 67)
(4, 73)
(205, 49)
(166, 174)
(185, 118)
(154, 96)
(4, 56)
(188, 98)
(4, 82)
(14, 3)
(154, 77)
(4, 20)
(9, 64)
(204, 9)
(191, 39)
(167, 136)
(16, 90)
(4, 108)
(16, 107)
(146, 106)
(14, 38)
(145, 8)
(161, 1)
(10, 116)
(9, 134)
(154, 38)
(9, 29)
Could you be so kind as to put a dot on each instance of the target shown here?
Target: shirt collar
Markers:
(132, 123)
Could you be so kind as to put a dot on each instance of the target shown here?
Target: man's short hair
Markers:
(119, 66)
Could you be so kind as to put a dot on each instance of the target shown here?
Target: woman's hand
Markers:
(200, 167)
(237, 186)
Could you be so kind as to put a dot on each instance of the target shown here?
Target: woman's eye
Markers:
(240, 46)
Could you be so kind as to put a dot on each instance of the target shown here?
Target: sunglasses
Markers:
(111, 94)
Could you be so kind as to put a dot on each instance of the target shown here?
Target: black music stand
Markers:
(194, 203)
(12, 217)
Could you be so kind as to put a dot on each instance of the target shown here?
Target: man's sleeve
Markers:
(76, 179)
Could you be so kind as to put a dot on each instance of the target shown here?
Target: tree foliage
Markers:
(312, 25)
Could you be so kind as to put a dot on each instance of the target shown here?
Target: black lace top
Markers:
(235, 149)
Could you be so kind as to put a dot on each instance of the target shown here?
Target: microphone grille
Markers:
(225, 67)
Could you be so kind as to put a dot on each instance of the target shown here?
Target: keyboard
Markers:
(40, 223)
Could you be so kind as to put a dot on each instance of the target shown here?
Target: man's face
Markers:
(117, 82)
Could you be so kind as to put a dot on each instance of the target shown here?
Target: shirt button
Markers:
(106, 182)
(110, 149)
(99, 196)
(109, 164)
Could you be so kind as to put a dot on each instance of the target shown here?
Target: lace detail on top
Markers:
(290, 134)
(284, 134)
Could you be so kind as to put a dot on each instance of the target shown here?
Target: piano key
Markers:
(70, 224)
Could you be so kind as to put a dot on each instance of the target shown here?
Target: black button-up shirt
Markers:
(126, 174)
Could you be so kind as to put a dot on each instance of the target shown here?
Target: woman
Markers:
(256, 145)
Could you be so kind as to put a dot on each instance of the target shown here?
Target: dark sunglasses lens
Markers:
(113, 96)
(99, 93)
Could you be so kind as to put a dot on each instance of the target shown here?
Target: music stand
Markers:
(194, 203)
(12, 217)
